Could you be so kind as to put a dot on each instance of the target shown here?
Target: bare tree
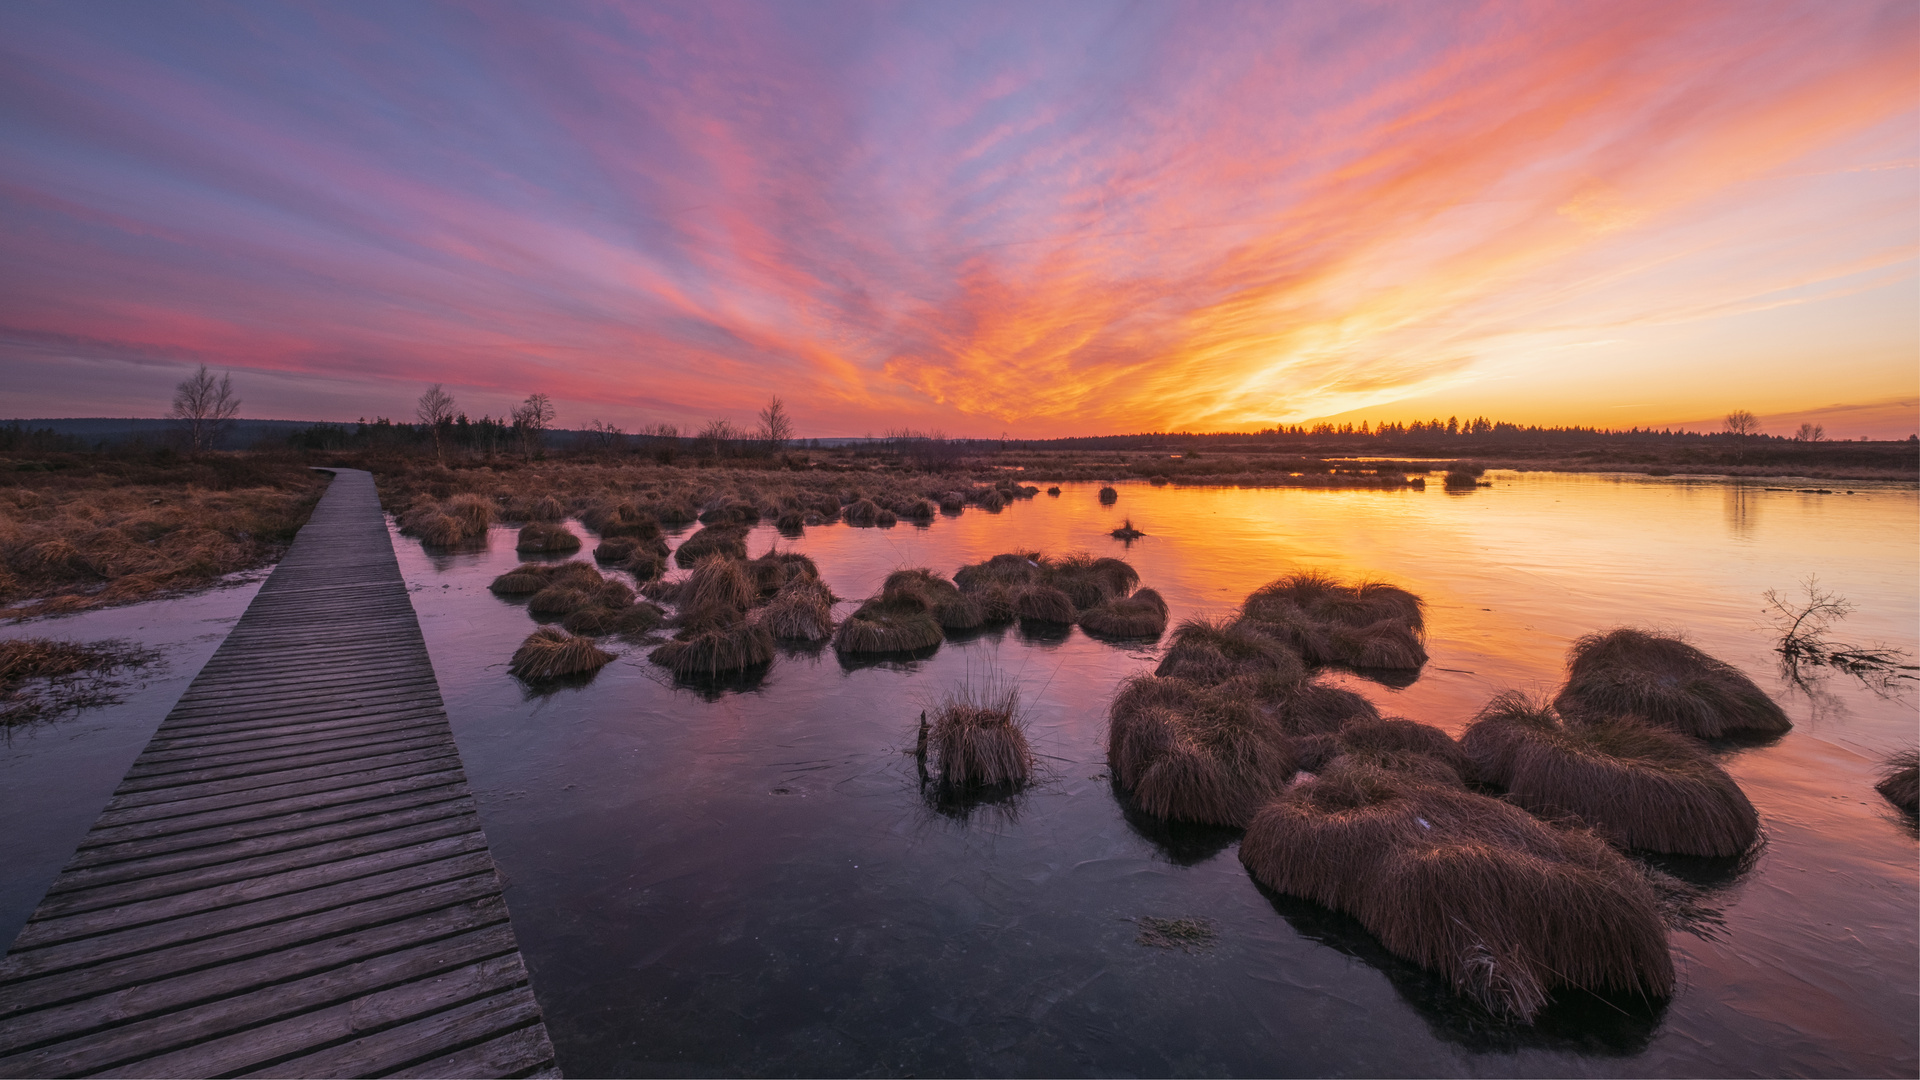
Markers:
(435, 409)
(531, 419)
(205, 406)
(1742, 425)
(603, 436)
(1806, 643)
(776, 426)
(1810, 432)
(715, 438)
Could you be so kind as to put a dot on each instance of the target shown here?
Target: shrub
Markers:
(1665, 682)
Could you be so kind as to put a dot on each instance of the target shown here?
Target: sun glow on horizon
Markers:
(1046, 221)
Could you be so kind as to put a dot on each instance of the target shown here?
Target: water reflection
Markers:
(1577, 1022)
(1742, 508)
(680, 918)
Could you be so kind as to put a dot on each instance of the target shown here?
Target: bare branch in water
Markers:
(1807, 646)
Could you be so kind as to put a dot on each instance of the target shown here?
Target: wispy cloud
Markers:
(1052, 219)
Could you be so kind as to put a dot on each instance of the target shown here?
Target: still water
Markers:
(750, 881)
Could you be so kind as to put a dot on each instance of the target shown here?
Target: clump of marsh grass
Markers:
(716, 648)
(1209, 651)
(1044, 604)
(900, 619)
(1195, 753)
(1367, 624)
(801, 611)
(545, 538)
(1142, 615)
(1108, 496)
(866, 513)
(1900, 781)
(462, 519)
(1506, 907)
(1126, 531)
(728, 540)
(1401, 745)
(976, 737)
(777, 569)
(529, 578)
(41, 678)
(1638, 785)
(1463, 476)
(551, 653)
(1665, 682)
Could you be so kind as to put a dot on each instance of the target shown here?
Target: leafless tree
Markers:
(435, 409)
(205, 406)
(776, 426)
(531, 419)
(603, 436)
(1742, 425)
(1806, 642)
(1810, 432)
(716, 438)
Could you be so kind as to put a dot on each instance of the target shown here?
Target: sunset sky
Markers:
(1044, 219)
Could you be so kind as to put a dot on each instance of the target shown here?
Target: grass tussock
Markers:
(1209, 651)
(727, 540)
(801, 611)
(977, 739)
(1508, 908)
(529, 578)
(551, 653)
(777, 569)
(546, 538)
(1637, 785)
(1192, 752)
(1405, 746)
(719, 581)
(41, 678)
(1900, 781)
(459, 520)
(1665, 682)
(1126, 531)
(1142, 615)
(1054, 591)
(1367, 624)
(896, 621)
(716, 649)
(1108, 496)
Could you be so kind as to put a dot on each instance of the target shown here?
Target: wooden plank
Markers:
(292, 876)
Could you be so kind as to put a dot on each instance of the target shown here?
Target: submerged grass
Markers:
(41, 678)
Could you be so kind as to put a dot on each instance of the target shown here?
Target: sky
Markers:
(973, 218)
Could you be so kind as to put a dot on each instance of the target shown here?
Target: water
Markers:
(751, 882)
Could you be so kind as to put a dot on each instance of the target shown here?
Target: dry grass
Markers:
(1368, 624)
(1665, 682)
(801, 611)
(727, 540)
(542, 538)
(529, 578)
(457, 521)
(777, 569)
(716, 650)
(1639, 786)
(1507, 907)
(41, 678)
(1214, 650)
(110, 531)
(719, 581)
(1108, 496)
(1142, 615)
(1126, 531)
(1406, 746)
(1044, 604)
(550, 653)
(1195, 753)
(879, 628)
(1900, 781)
(977, 737)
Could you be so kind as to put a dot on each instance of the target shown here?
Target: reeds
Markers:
(977, 737)
(1637, 785)
(1506, 907)
(550, 653)
(544, 538)
(1900, 781)
(727, 540)
(1142, 615)
(1665, 682)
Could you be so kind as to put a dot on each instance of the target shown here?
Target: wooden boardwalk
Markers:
(291, 880)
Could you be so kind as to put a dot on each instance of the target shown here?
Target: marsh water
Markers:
(749, 878)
